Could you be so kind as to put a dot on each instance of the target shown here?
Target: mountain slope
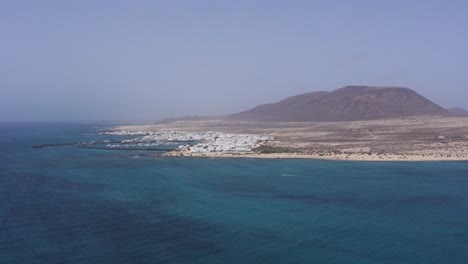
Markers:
(344, 104)
(458, 111)
(286, 108)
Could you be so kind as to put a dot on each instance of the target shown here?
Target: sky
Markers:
(146, 60)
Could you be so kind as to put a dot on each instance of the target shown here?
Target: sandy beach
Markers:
(352, 157)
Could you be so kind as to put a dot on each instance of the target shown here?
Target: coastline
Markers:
(341, 157)
(416, 138)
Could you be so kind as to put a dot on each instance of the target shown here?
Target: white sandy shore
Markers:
(353, 157)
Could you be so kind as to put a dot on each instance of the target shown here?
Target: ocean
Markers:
(72, 205)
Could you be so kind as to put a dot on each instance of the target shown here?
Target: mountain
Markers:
(458, 111)
(345, 104)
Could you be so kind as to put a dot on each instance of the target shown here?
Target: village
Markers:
(195, 142)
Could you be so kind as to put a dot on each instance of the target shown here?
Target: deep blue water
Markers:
(70, 205)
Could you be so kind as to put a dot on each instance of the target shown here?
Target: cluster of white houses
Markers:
(197, 141)
(219, 142)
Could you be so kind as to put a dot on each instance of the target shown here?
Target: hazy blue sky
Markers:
(152, 59)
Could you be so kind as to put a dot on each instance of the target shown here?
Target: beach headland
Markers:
(426, 138)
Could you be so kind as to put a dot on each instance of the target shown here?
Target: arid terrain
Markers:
(409, 138)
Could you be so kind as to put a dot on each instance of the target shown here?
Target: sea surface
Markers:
(71, 205)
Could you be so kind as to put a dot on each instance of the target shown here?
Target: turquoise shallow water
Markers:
(70, 205)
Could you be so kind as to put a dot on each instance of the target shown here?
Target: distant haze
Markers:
(145, 60)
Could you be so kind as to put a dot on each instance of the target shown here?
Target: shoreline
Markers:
(417, 138)
(336, 157)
